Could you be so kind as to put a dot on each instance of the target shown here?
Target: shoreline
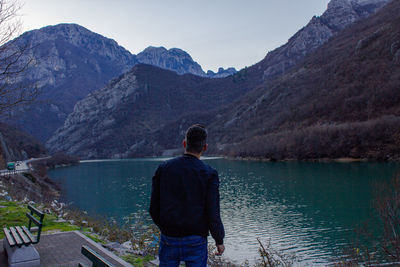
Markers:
(320, 160)
(260, 159)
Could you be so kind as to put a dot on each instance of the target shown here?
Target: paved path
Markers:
(64, 249)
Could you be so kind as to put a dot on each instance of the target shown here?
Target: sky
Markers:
(216, 33)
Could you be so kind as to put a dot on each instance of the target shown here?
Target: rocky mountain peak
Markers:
(173, 59)
(339, 15)
(221, 72)
(81, 37)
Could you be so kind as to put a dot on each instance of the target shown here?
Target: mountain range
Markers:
(258, 111)
(69, 62)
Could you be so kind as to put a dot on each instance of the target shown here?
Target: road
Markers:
(21, 166)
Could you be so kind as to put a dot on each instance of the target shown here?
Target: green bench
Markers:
(95, 258)
(18, 241)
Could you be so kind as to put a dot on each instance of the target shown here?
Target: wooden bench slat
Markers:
(28, 233)
(10, 239)
(95, 258)
(21, 233)
(35, 221)
(16, 236)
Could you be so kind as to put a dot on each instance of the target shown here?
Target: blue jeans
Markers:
(190, 249)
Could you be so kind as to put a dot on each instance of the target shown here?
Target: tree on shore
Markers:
(14, 59)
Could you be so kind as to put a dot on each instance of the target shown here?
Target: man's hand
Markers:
(220, 250)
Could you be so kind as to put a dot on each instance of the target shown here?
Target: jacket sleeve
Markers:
(213, 210)
(155, 198)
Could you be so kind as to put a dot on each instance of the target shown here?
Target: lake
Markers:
(308, 210)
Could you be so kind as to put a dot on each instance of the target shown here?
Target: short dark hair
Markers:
(196, 138)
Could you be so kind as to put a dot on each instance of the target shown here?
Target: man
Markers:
(185, 204)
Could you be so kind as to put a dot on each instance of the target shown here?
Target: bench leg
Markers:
(25, 256)
(4, 246)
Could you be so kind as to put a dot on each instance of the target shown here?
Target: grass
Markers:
(137, 261)
(13, 214)
(95, 238)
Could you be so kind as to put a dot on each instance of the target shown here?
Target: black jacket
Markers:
(185, 199)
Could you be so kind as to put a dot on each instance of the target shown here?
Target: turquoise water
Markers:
(308, 210)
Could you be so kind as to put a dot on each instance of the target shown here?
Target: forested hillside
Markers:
(16, 145)
(342, 101)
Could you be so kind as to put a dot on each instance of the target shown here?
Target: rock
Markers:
(47, 211)
(394, 47)
(60, 220)
(396, 57)
(127, 245)
(112, 245)
(123, 251)
(363, 43)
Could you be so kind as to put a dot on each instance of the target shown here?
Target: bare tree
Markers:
(388, 206)
(14, 59)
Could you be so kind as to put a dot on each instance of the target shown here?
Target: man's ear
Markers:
(184, 143)
(205, 147)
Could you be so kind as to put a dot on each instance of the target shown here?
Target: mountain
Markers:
(173, 59)
(221, 73)
(339, 14)
(149, 127)
(179, 61)
(342, 101)
(116, 121)
(69, 62)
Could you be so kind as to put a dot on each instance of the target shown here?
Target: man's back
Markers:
(185, 204)
(185, 199)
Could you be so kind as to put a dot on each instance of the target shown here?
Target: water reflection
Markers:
(307, 209)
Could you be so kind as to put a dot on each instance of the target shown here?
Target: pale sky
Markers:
(216, 33)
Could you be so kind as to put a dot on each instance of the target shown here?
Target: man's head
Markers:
(195, 139)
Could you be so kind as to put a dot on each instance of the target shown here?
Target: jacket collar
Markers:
(189, 155)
